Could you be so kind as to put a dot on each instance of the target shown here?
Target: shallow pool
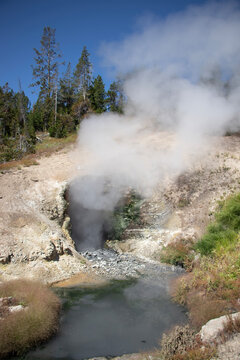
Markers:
(122, 317)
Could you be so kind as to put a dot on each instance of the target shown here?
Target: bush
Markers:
(215, 237)
(182, 343)
(125, 215)
(177, 341)
(23, 330)
(178, 253)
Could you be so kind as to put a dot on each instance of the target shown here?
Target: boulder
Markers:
(211, 330)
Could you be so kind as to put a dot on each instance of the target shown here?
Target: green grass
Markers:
(27, 328)
(224, 231)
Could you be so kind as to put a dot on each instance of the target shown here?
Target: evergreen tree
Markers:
(36, 115)
(8, 112)
(23, 105)
(45, 72)
(83, 74)
(66, 95)
(97, 95)
(115, 97)
(16, 134)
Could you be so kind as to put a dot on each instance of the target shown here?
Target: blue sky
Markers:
(77, 23)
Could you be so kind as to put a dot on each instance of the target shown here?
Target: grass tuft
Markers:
(182, 343)
(23, 330)
(224, 231)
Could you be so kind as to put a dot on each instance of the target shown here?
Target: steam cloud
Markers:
(182, 82)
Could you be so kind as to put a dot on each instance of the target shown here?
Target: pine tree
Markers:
(8, 112)
(45, 73)
(66, 95)
(83, 74)
(97, 95)
(115, 97)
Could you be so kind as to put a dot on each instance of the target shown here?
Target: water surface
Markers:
(122, 317)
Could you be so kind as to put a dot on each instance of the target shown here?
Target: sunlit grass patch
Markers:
(50, 145)
(224, 232)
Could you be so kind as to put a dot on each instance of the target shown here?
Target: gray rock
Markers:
(212, 329)
(16, 308)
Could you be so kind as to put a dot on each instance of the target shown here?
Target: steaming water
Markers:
(123, 317)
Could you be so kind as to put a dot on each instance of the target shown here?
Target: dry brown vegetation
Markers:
(182, 343)
(28, 160)
(231, 326)
(50, 145)
(34, 324)
(212, 288)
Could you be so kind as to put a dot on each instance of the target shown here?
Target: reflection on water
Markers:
(122, 317)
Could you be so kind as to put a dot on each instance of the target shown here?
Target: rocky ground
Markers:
(111, 264)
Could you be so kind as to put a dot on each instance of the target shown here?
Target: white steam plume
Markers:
(182, 83)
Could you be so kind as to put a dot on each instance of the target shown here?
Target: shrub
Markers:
(178, 253)
(182, 343)
(23, 330)
(125, 214)
(177, 341)
(215, 237)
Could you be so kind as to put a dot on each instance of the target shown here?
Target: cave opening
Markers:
(91, 223)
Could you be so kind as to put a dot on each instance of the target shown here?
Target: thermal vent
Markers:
(99, 213)
(91, 206)
(88, 226)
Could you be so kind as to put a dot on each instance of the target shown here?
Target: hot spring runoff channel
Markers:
(124, 316)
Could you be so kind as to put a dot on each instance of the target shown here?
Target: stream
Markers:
(124, 316)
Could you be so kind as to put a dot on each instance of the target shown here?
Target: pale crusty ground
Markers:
(31, 208)
(31, 213)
